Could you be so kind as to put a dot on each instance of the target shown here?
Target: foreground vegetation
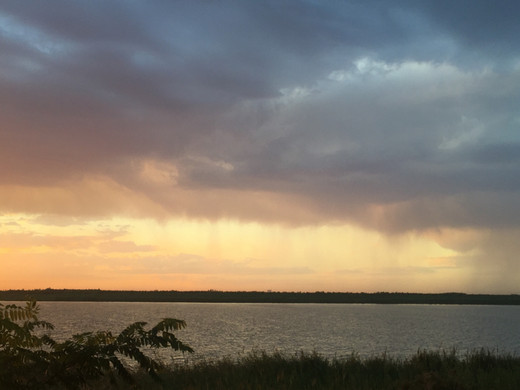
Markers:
(434, 370)
(93, 360)
(426, 370)
(96, 295)
(33, 360)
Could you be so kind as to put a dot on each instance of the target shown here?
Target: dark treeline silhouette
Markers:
(96, 295)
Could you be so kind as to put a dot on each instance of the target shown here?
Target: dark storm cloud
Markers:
(498, 154)
(347, 106)
(480, 24)
(198, 51)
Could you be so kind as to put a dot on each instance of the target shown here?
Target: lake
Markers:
(334, 330)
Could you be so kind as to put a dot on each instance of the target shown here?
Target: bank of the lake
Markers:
(213, 296)
(425, 370)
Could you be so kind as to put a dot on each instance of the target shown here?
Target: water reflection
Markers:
(215, 330)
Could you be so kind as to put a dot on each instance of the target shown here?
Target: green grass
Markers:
(435, 370)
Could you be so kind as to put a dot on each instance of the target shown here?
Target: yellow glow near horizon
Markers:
(126, 253)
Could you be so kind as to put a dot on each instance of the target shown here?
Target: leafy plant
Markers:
(32, 361)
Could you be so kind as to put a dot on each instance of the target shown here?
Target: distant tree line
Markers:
(96, 295)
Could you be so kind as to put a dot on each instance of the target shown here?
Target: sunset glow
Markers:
(192, 254)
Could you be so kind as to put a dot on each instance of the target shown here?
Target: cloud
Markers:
(195, 264)
(408, 139)
(488, 256)
(39, 240)
(395, 118)
(483, 26)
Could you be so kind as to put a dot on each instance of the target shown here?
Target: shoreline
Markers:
(424, 370)
(213, 296)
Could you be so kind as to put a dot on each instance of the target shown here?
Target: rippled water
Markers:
(231, 329)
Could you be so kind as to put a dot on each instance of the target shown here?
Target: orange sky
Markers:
(129, 253)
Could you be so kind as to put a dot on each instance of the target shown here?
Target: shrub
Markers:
(31, 361)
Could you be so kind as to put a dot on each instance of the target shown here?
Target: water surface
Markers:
(232, 329)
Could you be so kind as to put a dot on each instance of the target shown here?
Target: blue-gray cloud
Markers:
(346, 106)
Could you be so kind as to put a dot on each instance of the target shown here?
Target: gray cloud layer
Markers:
(397, 116)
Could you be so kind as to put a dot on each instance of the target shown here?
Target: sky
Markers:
(260, 145)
